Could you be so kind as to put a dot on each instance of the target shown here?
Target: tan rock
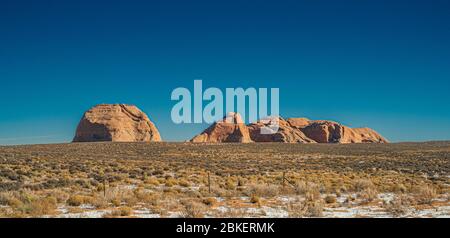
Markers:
(332, 132)
(364, 135)
(286, 133)
(323, 131)
(116, 122)
(230, 129)
(292, 130)
(298, 122)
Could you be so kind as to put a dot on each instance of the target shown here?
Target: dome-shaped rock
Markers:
(116, 123)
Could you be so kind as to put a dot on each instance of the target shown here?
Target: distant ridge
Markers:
(292, 130)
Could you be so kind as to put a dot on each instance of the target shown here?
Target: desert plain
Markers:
(189, 180)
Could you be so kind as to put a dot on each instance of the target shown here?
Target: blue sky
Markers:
(381, 64)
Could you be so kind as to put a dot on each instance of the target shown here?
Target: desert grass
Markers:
(38, 180)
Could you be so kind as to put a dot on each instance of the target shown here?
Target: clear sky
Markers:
(381, 64)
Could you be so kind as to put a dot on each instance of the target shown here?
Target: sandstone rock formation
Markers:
(365, 135)
(333, 132)
(324, 131)
(230, 129)
(286, 133)
(292, 130)
(116, 122)
(298, 122)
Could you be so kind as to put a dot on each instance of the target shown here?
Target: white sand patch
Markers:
(263, 212)
(87, 207)
(287, 199)
(127, 187)
(174, 215)
(275, 212)
(438, 212)
(145, 213)
(386, 197)
(85, 214)
(352, 212)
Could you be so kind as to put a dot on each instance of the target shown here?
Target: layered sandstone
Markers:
(333, 132)
(292, 130)
(230, 129)
(116, 123)
(285, 133)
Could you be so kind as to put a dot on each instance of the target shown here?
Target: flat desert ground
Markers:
(152, 180)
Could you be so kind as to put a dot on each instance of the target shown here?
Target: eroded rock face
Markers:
(323, 131)
(286, 133)
(332, 132)
(292, 130)
(364, 135)
(298, 122)
(116, 123)
(230, 129)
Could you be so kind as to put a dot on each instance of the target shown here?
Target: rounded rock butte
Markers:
(116, 123)
(292, 130)
(286, 133)
(230, 129)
